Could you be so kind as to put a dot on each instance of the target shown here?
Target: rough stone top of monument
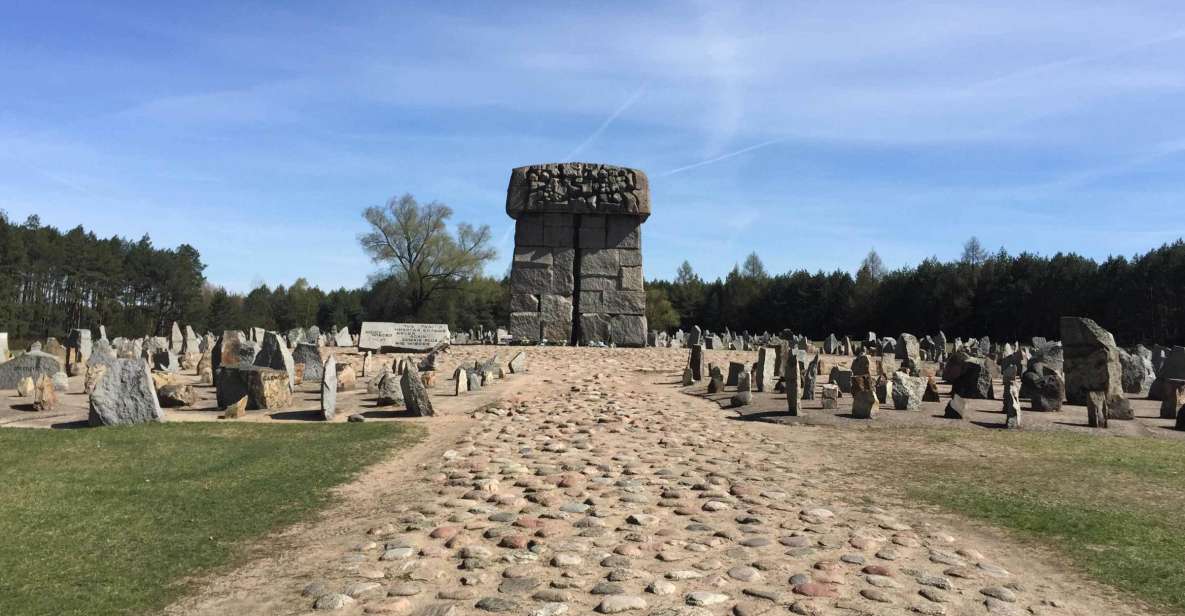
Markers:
(578, 188)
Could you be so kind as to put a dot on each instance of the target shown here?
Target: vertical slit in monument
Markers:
(576, 326)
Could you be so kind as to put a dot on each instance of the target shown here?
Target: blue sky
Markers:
(806, 131)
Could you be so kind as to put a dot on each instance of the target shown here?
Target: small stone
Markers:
(705, 598)
(661, 587)
(815, 589)
(744, 573)
(933, 594)
(496, 604)
(999, 592)
(621, 603)
(333, 601)
(873, 594)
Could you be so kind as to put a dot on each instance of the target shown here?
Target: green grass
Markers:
(1112, 506)
(120, 520)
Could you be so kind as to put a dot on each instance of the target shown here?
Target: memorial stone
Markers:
(1092, 364)
(576, 272)
(1173, 391)
(415, 395)
(32, 364)
(864, 400)
(124, 395)
(401, 337)
(764, 369)
(328, 388)
(792, 377)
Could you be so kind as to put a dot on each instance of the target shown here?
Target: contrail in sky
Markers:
(724, 156)
(1083, 59)
(629, 102)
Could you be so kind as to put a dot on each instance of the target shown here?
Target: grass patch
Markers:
(1111, 505)
(116, 520)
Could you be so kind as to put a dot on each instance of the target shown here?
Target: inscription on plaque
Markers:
(376, 336)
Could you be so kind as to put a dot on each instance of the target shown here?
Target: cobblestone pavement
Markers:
(589, 485)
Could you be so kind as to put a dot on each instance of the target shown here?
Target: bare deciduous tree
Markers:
(414, 243)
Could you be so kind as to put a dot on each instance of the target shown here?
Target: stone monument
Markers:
(577, 270)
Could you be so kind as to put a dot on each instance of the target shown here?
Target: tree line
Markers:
(53, 281)
(1006, 297)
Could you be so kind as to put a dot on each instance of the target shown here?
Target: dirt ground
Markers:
(71, 412)
(594, 483)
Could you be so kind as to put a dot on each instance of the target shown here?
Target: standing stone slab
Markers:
(309, 355)
(328, 388)
(1096, 409)
(474, 380)
(518, 363)
(792, 377)
(735, 368)
(1092, 364)
(974, 380)
(909, 352)
(124, 395)
(764, 370)
(1136, 372)
(3, 347)
(274, 353)
(842, 379)
(1012, 403)
(1173, 398)
(176, 338)
(810, 378)
(342, 338)
(461, 379)
(864, 400)
(696, 361)
(390, 391)
(908, 391)
(226, 350)
(415, 396)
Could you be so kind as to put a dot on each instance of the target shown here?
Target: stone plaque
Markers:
(402, 336)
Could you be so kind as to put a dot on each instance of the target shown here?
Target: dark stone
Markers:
(974, 381)
(841, 378)
(734, 369)
(1173, 391)
(931, 393)
(956, 408)
(696, 362)
(1171, 367)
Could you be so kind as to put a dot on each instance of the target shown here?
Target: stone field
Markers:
(596, 482)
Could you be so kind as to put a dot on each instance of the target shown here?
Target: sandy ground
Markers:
(594, 483)
(71, 411)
